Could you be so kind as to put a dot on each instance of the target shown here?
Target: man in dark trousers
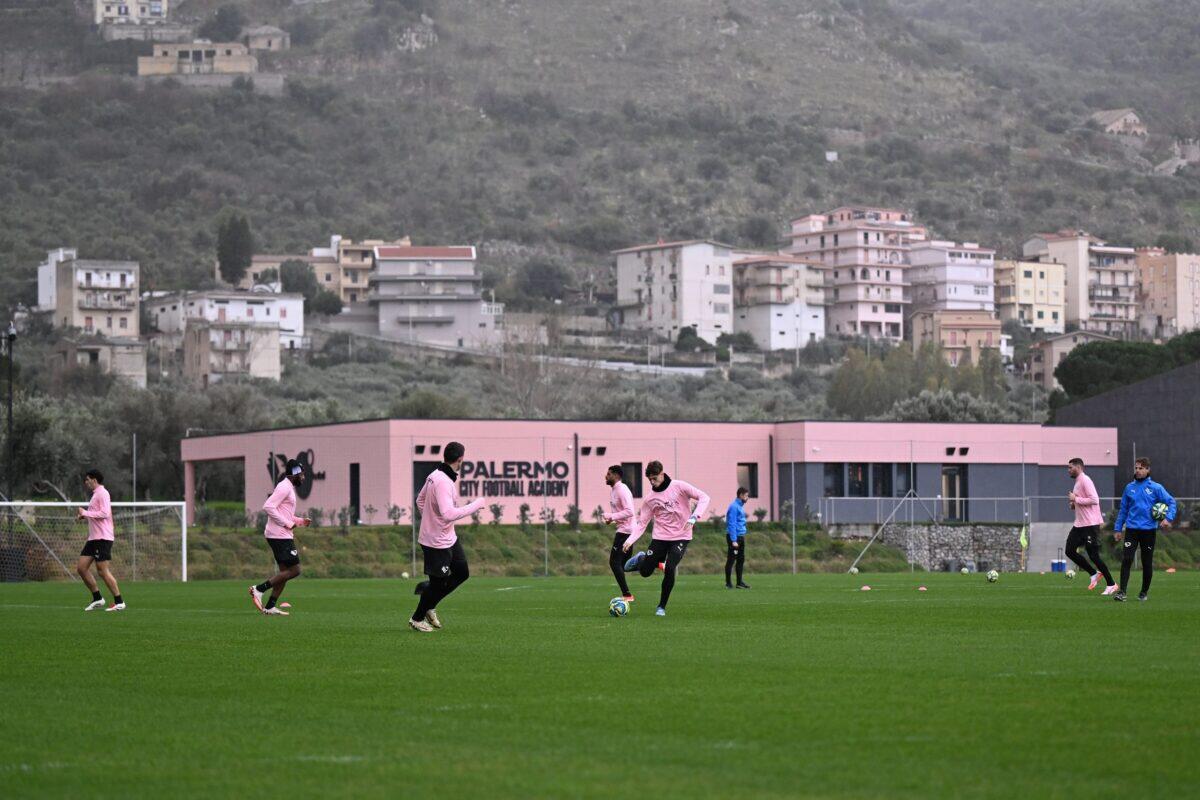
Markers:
(1145, 507)
(735, 538)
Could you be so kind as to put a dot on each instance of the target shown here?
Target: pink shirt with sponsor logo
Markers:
(99, 516)
(670, 509)
(1087, 503)
(439, 512)
(281, 511)
(620, 507)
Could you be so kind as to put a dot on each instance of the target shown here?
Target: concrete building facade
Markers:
(173, 314)
(433, 295)
(97, 297)
(963, 335)
(1032, 293)
(864, 253)
(214, 351)
(945, 276)
(266, 38)
(1170, 291)
(1101, 280)
(123, 357)
(198, 58)
(1044, 356)
(130, 12)
(667, 286)
(779, 300)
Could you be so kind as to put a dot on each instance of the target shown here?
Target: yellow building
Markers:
(1044, 356)
(198, 58)
(355, 261)
(98, 297)
(1170, 291)
(1032, 293)
(1101, 280)
(963, 335)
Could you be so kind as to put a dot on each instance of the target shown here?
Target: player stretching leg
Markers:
(445, 561)
(1088, 519)
(670, 506)
(281, 520)
(620, 505)
(1145, 507)
(98, 548)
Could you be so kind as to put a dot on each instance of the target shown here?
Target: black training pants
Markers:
(447, 570)
(663, 552)
(1089, 538)
(616, 562)
(1133, 541)
(735, 555)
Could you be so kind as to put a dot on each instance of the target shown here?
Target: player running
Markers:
(620, 506)
(670, 506)
(281, 520)
(1142, 513)
(445, 561)
(98, 548)
(1086, 531)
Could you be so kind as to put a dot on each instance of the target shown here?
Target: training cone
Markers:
(922, 589)
(1170, 570)
(865, 589)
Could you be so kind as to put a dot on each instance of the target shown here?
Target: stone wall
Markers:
(950, 547)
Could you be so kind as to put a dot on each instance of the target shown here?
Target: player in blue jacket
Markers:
(735, 538)
(1145, 507)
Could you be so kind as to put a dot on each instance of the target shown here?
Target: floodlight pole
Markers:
(11, 338)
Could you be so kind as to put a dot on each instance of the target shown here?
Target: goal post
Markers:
(41, 541)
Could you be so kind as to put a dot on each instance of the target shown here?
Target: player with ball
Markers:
(1145, 507)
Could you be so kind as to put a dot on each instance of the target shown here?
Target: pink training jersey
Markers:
(438, 511)
(99, 515)
(281, 511)
(1087, 503)
(620, 506)
(670, 509)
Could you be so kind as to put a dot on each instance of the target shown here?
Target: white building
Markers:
(131, 12)
(945, 276)
(433, 295)
(671, 285)
(47, 274)
(171, 314)
(779, 300)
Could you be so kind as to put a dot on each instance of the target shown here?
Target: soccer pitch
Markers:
(803, 686)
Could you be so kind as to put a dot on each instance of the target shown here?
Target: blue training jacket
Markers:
(735, 520)
(1136, 501)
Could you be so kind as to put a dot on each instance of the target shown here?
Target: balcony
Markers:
(408, 293)
(1119, 295)
(229, 345)
(104, 304)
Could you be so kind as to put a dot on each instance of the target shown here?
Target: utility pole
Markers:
(11, 338)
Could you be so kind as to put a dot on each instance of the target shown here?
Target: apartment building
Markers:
(864, 254)
(218, 350)
(963, 335)
(1170, 291)
(779, 300)
(131, 12)
(1101, 280)
(433, 295)
(95, 296)
(1032, 293)
(1045, 356)
(945, 276)
(667, 286)
(172, 315)
(198, 58)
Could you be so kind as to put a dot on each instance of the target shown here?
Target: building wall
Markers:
(672, 286)
(48, 277)
(1046, 355)
(90, 295)
(962, 335)
(1032, 293)
(221, 58)
(1170, 291)
(216, 351)
(130, 11)
(171, 314)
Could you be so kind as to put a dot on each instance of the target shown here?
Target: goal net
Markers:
(41, 541)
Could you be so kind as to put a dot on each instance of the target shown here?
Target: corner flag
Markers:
(1024, 537)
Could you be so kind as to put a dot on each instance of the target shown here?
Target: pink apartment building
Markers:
(856, 471)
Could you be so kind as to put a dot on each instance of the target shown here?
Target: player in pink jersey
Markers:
(98, 548)
(281, 521)
(620, 512)
(670, 506)
(1086, 531)
(445, 560)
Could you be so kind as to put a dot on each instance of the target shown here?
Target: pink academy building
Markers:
(847, 471)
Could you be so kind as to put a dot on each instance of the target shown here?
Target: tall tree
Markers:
(235, 247)
(298, 277)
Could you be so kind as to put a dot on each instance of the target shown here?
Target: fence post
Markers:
(183, 539)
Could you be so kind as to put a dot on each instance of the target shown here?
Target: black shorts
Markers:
(285, 552)
(1087, 536)
(98, 549)
(619, 540)
(667, 552)
(445, 562)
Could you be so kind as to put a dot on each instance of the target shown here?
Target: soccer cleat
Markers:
(1110, 590)
(1095, 580)
(420, 625)
(634, 562)
(660, 612)
(662, 565)
(432, 618)
(628, 598)
(256, 596)
(94, 605)
(1119, 596)
(729, 586)
(742, 585)
(275, 611)
(1143, 597)
(116, 607)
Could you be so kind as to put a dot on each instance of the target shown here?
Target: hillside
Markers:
(560, 130)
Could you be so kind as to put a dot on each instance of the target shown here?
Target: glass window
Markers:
(632, 477)
(835, 485)
(747, 478)
(904, 479)
(856, 480)
(881, 480)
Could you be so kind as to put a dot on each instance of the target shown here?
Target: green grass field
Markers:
(801, 687)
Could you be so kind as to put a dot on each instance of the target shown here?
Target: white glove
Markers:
(692, 519)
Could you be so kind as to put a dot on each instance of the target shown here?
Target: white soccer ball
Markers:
(1070, 574)
(993, 576)
(404, 575)
(965, 571)
(617, 607)
(854, 570)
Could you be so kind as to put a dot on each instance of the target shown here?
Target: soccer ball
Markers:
(993, 576)
(404, 575)
(618, 607)
(854, 570)
(1070, 574)
(1159, 511)
(965, 571)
